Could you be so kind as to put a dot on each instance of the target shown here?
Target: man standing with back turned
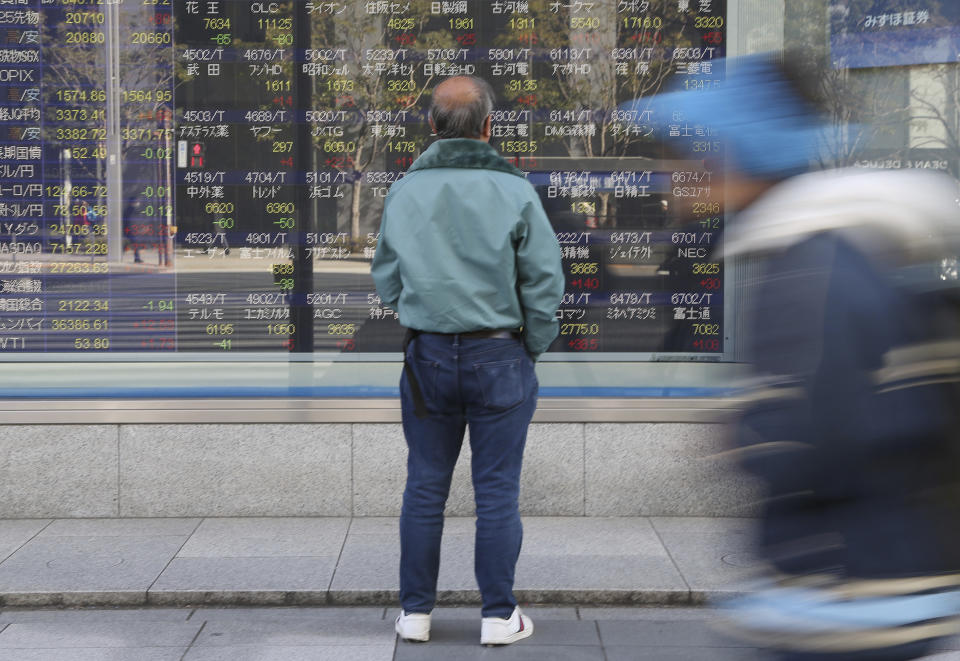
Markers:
(471, 263)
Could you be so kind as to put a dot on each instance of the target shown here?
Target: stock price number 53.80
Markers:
(91, 343)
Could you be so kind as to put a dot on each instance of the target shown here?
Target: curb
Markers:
(187, 598)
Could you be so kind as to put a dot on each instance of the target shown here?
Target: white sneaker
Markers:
(500, 631)
(414, 626)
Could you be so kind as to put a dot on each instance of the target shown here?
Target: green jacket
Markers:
(465, 245)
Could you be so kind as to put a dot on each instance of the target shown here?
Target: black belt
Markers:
(419, 404)
(499, 334)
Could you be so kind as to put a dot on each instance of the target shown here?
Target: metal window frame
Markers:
(330, 411)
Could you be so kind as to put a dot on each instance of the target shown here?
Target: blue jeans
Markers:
(490, 385)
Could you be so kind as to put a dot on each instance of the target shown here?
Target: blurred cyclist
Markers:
(852, 422)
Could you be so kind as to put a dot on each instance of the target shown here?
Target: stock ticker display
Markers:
(208, 175)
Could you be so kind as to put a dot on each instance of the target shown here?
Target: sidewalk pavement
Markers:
(338, 633)
(357, 634)
(354, 562)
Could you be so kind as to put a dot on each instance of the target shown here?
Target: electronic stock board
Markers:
(208, 175)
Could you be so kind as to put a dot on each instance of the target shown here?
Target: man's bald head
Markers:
(460, 107)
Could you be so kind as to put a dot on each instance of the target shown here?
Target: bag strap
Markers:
(419, 405)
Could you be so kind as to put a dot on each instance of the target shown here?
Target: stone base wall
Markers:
(193, 470)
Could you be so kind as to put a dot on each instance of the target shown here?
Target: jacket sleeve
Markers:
(540, 278)
(385, 268)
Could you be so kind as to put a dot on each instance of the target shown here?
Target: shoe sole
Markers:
(512, 638)
(413, 639)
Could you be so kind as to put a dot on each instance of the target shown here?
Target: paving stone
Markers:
(101, 635)
(266, 537)
(366, 634)
(78, 564)
(374, 525)
(16, 533)
(290, 653)
(597, 572)
(713, 554)
(371, 557)
(459, 631)
(645, 613)
(456, 557)
(296, 633)
(615, 653)
(217, 580)
(524, 650)
(90, 616)
(369, 562)
(120, 527)
(97, 654)
(324, 615)
(594, 536)
(595, 559)
(582, 557)
(473, 613)
(664, 633)
(603, 560)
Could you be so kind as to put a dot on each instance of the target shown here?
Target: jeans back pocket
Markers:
(501, 383)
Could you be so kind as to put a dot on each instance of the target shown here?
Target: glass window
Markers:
(190, 190)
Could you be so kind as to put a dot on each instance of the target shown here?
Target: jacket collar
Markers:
(463, 153)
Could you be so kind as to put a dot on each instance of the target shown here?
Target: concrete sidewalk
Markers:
(365, 633)
(344, 561)
(357, 634)
(360, 633)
